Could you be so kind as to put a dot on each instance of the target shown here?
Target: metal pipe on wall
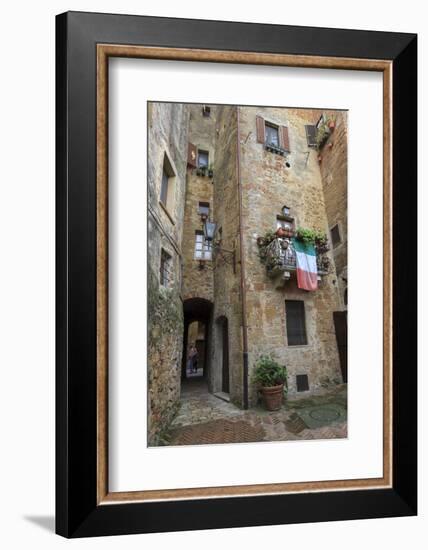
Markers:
(242, 257)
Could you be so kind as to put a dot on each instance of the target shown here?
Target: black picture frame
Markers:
(77, 512)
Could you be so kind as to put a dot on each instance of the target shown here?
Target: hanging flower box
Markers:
(284, 232)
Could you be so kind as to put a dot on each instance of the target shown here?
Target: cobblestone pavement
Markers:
(204, 418)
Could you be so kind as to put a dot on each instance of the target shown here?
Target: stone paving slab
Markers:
(206, 419)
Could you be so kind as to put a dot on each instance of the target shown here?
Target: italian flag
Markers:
(306, 264)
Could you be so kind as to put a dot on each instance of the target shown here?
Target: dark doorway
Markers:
(341, 328)
(224, 332)
(197, 320)
(196, 349)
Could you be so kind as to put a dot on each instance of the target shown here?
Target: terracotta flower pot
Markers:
(283, 232)
(331, 125)
(272, 397)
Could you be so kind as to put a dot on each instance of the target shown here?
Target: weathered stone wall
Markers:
(167, 127)
(198, 277)
(334, 173)
(268, 184)
(227, 296)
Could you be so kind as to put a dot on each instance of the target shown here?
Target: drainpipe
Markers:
(243, 288)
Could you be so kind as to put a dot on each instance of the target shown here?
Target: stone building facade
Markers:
(334, 168)
(166, 171)
(239, 166)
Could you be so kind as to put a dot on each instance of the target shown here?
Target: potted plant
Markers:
(284, 232)
(210, 171)
(331, 124)
(272, 380)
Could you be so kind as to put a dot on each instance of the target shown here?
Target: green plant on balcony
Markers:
(310, 236)
(201, 171)
(263, 243)
(324, 130)
(323, 263)
(319, 240)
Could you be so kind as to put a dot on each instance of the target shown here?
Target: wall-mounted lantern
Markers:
(210, 229)
(285, 211)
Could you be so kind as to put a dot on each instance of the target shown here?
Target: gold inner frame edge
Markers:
(104, 51)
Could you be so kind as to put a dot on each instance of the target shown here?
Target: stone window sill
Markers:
(276, 150)
(299, 346)
(165, 209)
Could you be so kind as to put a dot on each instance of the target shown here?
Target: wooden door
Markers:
(225, 359)
(341, 328)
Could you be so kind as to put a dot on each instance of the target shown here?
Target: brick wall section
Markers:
(267, 185)
(167, 128)
(334, 173)
(197, 282)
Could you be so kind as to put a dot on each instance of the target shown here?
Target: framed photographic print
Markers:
(236, 317)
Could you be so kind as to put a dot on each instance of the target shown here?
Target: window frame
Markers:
(168, 202)
(204, 152)
(311, 145)
(204, 204)
(305, 341)
(165, 269)
(339, 232)
(205, 249)
(275, 127)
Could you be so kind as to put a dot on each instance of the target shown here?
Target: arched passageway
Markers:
(196, 339)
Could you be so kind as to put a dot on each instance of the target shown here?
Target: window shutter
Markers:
(192, 155)
(311, 135)
(284, 140)
(260, 126)
(335, 235)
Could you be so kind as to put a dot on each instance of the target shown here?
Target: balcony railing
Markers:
(281, 257)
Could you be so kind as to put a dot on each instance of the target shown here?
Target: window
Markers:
(302, 382)
(204, 209)
(271, 134)
(311, 135)
(206, 110)
(280, 222)
(202, 159)
(202, 247)
(165, 268)
(335, 235)
(295, 322)
(164, 186)
(167, 184)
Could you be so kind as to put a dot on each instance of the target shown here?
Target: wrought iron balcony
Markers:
(281, 258)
